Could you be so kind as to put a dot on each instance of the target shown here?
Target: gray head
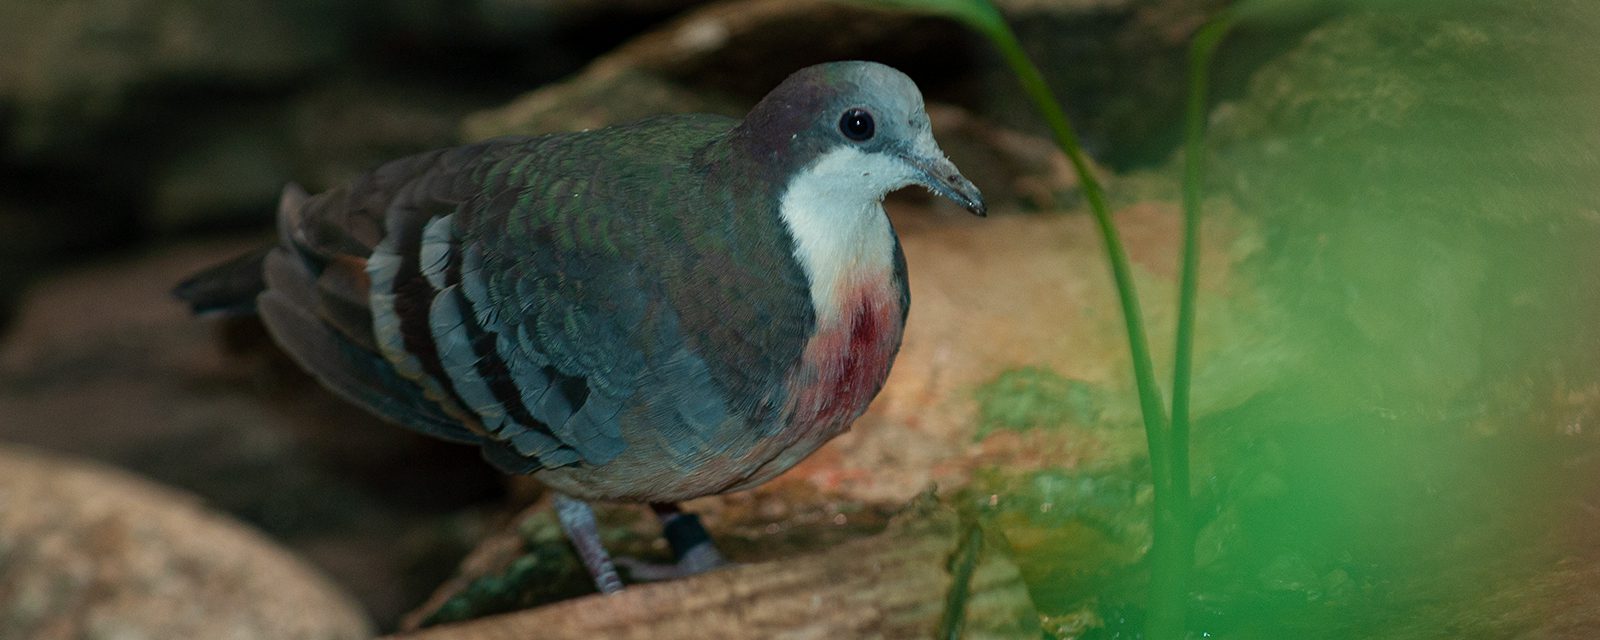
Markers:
(862, 120)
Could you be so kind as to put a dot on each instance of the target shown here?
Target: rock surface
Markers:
(70, 68)
(91, 552)
(104, 365)
(931, 574)
(140, 117)
(1423, 182)
(721, 58)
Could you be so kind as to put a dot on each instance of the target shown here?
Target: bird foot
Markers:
(700, 559)
(577, 520)
(690, 543)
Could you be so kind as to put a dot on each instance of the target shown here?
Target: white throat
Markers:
(834, 212)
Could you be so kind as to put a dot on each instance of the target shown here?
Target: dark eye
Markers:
(856, 124)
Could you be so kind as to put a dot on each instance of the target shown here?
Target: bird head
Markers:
(863, 126)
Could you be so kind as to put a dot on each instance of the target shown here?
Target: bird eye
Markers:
(856, 124)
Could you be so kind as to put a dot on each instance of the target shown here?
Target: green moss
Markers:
(1035, 398)
(547, 571)
(1076, 537)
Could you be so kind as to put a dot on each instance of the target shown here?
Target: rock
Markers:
(1017, 170)
(1118, 67)
(1422, 180)
(136, 116)
(344, 128)
(70, 68)
(997, 295)
(88, 551)
(99, 99)
(719, 59)
(103, 364)
(521, 19)
(227, 179)
(1386, 145)
(602, 95)
(930, 574)
(231, 165)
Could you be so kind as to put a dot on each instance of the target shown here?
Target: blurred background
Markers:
(1396, 392)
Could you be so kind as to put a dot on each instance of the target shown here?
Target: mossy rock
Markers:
(1036, 398)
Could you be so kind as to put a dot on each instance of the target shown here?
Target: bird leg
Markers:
(691, 546)
(577, 520)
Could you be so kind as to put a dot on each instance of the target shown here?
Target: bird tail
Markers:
(230, 288)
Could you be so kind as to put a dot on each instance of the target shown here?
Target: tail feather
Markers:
(359, 375)
(229, 288)
(312, 299)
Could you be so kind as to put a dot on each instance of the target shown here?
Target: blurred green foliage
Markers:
(1424, 184)
(1422, 179)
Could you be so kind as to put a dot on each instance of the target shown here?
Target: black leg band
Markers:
(683, 532)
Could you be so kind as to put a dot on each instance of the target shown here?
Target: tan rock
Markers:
(929, 575)
(92, 552)
(103, 364)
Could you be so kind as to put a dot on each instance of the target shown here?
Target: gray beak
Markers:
(940, 176)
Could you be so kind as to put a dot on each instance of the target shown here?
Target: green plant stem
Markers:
(1150, 402)
(1201, 51)
(1170, 550)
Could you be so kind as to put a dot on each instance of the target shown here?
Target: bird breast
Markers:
(846, 362)
(842, 368)
(833, 211)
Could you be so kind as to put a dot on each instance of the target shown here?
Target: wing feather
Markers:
(553, 299)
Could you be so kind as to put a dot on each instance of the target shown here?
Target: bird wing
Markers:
(611, 274)
(317, 297)
(525, 294)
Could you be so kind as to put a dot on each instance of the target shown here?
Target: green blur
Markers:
(1424, 185)
(1396, 408)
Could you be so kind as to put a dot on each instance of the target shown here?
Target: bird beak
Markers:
(940, 176)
